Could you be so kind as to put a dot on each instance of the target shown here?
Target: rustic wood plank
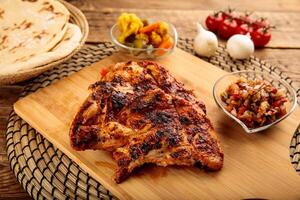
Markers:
(286, 34)
(267, 5)
(8, 95)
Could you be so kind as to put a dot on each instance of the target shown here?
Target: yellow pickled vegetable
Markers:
(138, 33)
(163, 29)
(155, 39)
(140, 40)
(128, 24)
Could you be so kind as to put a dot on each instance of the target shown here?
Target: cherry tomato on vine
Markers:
(244, 18)
(260, 23)
(239, 21)
(260, 37)
(227, 28)
(244, 29)
(213, 21)
(229, 13)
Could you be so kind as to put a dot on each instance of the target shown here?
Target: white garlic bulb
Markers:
(240, 46)
(206, 42)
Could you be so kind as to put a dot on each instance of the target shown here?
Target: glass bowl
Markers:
(142, 53)
(223, 82)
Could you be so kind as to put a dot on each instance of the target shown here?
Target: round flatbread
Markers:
(30, 27)
(67, 45)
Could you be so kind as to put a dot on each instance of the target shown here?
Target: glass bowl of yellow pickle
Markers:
(143, 38)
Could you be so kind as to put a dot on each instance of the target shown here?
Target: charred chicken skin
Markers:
(142, 114)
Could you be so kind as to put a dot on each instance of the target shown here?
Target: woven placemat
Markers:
(46, 173)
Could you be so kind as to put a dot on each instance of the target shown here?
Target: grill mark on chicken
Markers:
(143, 115)
(198, 130)
(181, 153)
(160, 117)
(184, 120)
(119, 100)
(168, 83)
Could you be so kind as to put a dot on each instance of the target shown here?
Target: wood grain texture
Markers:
(267, 5)
(256, 166)
(284, 36)
(287, 59)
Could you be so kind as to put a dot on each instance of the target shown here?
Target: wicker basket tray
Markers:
(47, 173)
(76, 17)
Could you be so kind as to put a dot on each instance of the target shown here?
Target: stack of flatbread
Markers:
(34, 33)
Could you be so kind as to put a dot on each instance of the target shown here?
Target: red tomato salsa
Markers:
(254, 102)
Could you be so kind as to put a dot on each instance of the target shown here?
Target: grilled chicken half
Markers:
(142, 114)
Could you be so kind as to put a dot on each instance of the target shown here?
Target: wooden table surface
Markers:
(283, 51)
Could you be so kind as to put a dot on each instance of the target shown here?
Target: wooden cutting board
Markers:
(256, 166)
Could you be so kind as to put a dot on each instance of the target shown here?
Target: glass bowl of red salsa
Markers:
(255, 100)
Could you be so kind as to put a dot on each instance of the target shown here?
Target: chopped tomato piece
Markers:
(103, 72)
